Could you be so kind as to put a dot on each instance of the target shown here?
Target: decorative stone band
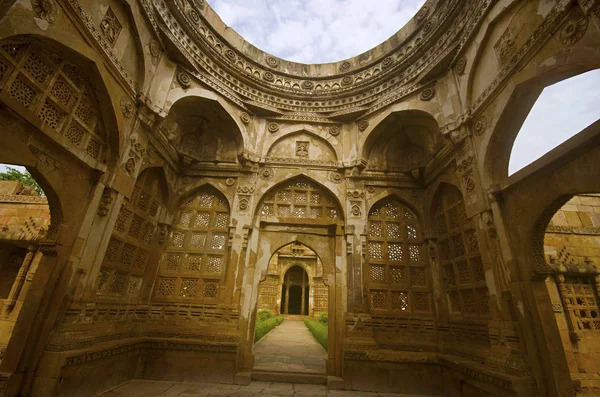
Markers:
(135, 349)
(12, 198)
(574, 230)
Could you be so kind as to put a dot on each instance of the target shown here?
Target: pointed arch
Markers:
(299, 197)
(63, 92)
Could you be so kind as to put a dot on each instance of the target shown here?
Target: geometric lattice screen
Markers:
(299, 199)
(54, 90)
(581, 296)
(124, 265)
(396, 273)
(193, 265)
(461, 264)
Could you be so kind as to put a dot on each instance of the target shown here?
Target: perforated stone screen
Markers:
(54, 90)
(396, 274)
(461, 264)
(193, 265)
(124, 266)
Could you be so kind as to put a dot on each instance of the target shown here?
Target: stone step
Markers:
(289, 377)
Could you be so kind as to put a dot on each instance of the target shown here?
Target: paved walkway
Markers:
(148, 388)
(290, 348)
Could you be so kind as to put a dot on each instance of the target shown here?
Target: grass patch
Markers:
(265, 322)
(318, 327)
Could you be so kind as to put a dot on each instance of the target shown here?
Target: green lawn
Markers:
(265, 322)
(318, 327)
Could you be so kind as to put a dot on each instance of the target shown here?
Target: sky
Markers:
(320, 31)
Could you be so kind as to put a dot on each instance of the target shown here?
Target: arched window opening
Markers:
(397, 274)
(461, 263)
(300, 199)
(24, 221)
(560, 112)
(572, 250)
(124, 265)
(54, 90)
(193, 265)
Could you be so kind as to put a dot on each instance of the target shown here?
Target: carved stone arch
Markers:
(330, 200)
(517, 100)
(288, 132)
(54, 204)
(416, 132)
(139, 27)
(397, 196)
(204, 129)
(286, 239)
(496, 15)
(81, 59)
(449, 178)
(205, 185)
(168, 192)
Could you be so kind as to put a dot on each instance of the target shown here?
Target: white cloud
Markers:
(316, 31)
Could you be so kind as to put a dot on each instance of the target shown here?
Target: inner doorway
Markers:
(295, 292)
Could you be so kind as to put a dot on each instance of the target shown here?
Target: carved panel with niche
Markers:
(403, 142)
(302, 146)
(202, 131)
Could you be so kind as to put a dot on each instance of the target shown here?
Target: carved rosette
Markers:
(336, 177)
(345, 66)
(154, 48)
(184, 79)
(230, 182)
(335, 130)
(246, 118)
(272, 62)
(427, 94)
(480, 125)
(461, 65)
(266, 173)
(574, 28)
(363, 125)
(273, 128)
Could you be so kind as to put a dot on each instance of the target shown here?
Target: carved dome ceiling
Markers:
(406, 64)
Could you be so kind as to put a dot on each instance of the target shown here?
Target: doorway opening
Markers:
(295, 292)
(293, 287)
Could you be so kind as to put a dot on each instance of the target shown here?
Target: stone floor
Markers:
(290, 348)
(147, 388)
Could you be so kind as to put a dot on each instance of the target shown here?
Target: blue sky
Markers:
(319, 31)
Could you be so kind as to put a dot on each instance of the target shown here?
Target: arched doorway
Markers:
(295, 292)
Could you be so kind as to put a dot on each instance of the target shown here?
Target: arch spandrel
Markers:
(330, 142)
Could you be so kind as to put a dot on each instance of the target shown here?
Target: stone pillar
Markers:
(302, 305)
(20, 279)
(287, 298)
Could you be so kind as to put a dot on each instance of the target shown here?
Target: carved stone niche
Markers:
(403, 142)
(202, 131)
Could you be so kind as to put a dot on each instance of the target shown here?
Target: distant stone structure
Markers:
(192, 179)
